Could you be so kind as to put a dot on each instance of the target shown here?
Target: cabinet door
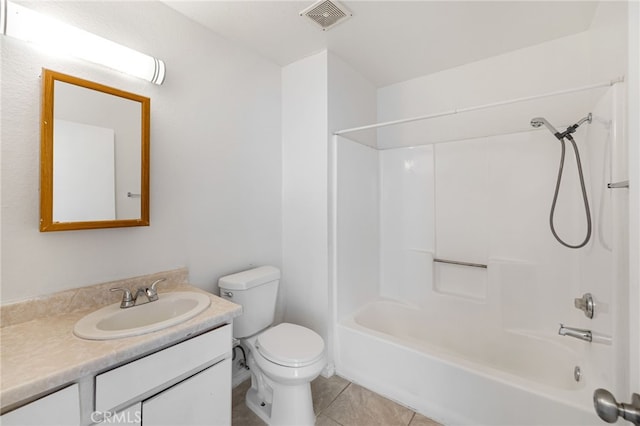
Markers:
(59, 408)
(131, 416)
(202, 399)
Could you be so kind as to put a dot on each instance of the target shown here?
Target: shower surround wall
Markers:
(483, 201)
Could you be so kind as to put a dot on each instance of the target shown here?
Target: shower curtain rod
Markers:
(479, 107)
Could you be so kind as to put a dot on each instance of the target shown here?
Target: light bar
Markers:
(62, 38)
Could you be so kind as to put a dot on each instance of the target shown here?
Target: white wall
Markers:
(304, 192)
(608, 40)
(547, 67)
(320, 94)
(215, 157)
(554, 65)
(352, 100)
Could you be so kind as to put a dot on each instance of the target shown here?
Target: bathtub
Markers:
(461, 376)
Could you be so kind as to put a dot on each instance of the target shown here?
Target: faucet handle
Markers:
(152, 293)
(127, 298)
(153, 285)
(585, 304)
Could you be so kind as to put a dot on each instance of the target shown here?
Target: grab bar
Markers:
(455, 262)
(621, 184)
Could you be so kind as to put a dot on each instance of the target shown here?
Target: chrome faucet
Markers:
(129, 301)
(578, 333)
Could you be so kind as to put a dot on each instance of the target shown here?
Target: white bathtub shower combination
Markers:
(479, 344)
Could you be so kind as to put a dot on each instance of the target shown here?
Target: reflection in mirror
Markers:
(94, 156)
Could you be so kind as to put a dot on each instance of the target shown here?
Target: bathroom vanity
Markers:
(179, 375)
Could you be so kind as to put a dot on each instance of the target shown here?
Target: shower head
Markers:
(539, 121)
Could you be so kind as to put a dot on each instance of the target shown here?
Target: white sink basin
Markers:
(113, 322)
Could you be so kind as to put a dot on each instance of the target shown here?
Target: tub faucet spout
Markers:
(578, 333)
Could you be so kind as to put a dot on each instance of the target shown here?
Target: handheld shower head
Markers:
(539, 121)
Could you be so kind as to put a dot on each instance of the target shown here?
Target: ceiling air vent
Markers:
(326, 13)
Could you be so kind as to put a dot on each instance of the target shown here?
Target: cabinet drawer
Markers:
(125, 383)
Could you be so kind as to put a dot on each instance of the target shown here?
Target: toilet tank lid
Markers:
(250, 278)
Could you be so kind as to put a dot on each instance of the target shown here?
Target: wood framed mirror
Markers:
(94, 155)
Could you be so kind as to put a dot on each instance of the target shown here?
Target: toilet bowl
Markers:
(283, 359)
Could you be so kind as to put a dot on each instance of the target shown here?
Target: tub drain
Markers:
(577, 374)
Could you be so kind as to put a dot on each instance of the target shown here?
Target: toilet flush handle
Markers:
(227, 293)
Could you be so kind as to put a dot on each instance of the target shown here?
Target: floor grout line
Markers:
(331, 403)
(333, 420)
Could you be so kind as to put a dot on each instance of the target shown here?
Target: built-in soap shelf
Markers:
(464, 279)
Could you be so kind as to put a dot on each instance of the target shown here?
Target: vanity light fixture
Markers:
(28, 25)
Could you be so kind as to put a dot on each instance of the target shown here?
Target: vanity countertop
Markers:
(43, 354)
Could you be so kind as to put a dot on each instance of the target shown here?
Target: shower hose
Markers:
(584, 194)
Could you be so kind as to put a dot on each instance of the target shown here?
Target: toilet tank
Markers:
(256, 290)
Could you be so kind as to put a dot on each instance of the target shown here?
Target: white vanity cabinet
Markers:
(59, 408)
(185, 384)
(188, 383)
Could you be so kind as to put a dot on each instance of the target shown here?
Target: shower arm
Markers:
(572, 129)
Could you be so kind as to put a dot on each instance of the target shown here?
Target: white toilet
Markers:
(283, 359)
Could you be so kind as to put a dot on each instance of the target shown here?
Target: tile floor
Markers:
(337, 402)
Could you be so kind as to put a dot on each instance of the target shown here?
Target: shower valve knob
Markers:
(585, 304)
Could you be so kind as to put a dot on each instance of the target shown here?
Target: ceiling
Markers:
(392, 41)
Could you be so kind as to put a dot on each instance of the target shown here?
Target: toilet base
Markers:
(292, 406)
(259, 408)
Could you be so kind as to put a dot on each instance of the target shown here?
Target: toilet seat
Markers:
(290, 345)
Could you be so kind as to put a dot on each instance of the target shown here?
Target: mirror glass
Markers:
(94, 155)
